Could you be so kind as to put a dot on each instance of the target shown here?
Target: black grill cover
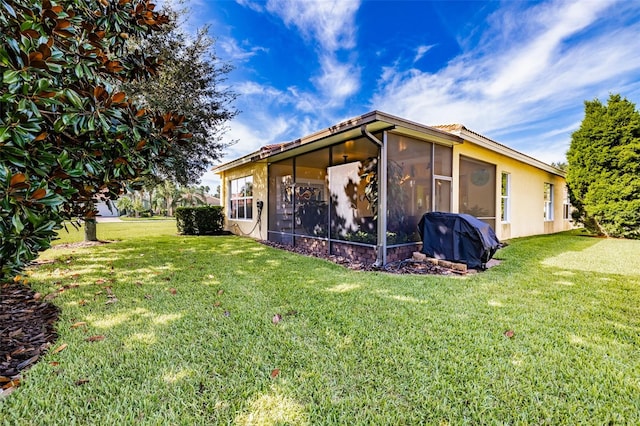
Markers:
(458, 238)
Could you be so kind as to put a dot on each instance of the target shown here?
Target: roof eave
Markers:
(353, 124)
(494, 146)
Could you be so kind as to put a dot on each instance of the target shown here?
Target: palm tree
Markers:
(167, 194)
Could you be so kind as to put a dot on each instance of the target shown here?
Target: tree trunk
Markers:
(90, 229)
(151, 202)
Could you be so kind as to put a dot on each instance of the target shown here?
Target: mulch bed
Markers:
(26, 326)
(408, 266)
(26, 331)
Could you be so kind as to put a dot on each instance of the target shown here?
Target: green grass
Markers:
(139, 219)
(116, 231)
(351, 348)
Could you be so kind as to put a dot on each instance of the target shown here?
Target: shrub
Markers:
(202, 220)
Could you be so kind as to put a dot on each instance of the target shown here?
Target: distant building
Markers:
(103, 209)
(212, 201)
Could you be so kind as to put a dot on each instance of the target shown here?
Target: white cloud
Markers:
(255, 6)
(420, 52)
(235, 52)
(253, 132)
(338, 81)
(331, 26)
(251, 88)
(531, 70)
(524, 62)
(330, 22)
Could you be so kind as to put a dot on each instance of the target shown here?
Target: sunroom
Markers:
(358, 189)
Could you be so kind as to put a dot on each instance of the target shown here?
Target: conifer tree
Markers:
(604, 168)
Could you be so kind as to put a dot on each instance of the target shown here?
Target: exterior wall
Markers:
(245, 227)
(527, 193)
(526, 204)
(103, 209)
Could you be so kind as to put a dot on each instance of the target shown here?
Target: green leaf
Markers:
(5, 134)
(79, 71)
(43, 84)
(10, 77)
(17, 223)
(74, 98)
(58, 126)
(7, 98)
(53, 67)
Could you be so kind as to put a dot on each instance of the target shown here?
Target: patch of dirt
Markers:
(26, 331)
(81, 244)
(408, 266)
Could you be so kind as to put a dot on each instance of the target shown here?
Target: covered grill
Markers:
(458, 238)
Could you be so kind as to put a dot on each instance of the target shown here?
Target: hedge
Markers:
(202, 220)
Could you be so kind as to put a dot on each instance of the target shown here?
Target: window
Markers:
(566, 204)
(241, 205)
(505, 206)
(548, 201)
(478, 191)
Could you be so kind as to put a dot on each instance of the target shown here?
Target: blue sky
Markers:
(517, 72)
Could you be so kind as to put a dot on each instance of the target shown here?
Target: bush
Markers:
(202, 220)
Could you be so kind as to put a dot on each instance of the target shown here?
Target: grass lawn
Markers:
(185, 335)
(139, 219)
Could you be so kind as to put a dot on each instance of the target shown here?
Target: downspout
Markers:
(381, 255)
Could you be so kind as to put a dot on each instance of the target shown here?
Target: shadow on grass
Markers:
(191, 339)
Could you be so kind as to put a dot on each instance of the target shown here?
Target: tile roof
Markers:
(450, 127)
(272, 146)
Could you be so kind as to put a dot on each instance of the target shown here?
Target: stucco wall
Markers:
(527, 193)
(260, 184)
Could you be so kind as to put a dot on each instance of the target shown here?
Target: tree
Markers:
(68, 136)
(168, 194)
(191, 82)
(192, 196)
(604, 168)
(125, 205)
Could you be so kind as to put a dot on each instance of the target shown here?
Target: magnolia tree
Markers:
(68, 136)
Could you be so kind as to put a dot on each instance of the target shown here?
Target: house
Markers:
(359, 188)
(105, 211)
(211, 200)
